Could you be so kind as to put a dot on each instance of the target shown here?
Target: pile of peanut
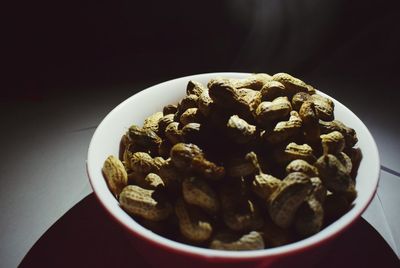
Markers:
(238, 164)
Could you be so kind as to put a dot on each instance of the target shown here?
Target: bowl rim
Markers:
(135, 228)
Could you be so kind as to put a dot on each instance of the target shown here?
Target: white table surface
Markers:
(43, 163)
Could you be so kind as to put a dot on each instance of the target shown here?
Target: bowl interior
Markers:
(135, 109)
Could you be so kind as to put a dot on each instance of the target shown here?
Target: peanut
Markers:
(309, 217)
(173, 133)
(323, 106)
(191, 115)
(308, 114)
(140, 202)
(303, 166)
(150, 182)
(191, 133)
(292, 84)
(230, 241)
(319, 191)
(267, 112)
(254, 81)
(191, 157)
(349, 134)
(332, 143)
(197, 192)
(141, 163)
(333, 173)
(164, 122)
(192, 224)
(195, 88)
(204, 103)
(225, 95)
(146, 139)
(240, 166)
(295, 151)
(284, 130)
(240, 131)
(346, 161)
(151, 122)
(271, 90)
(170, 109)
(286, 200)
(299, 98)
(265, 185)
(115, 174)
(275, 236)
(239, 212)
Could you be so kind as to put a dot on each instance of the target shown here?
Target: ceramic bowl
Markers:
(160, 250)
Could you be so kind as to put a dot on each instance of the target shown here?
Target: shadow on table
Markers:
(87, 237)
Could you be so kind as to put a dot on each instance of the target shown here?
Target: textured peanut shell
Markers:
(298, 100)
(346, 161)
(278, 109)
(189, 101)
(293, 84)
(191, 115)
(115, 174)
(164, 122)
(309, 218)
(324, 107)
(284, 130)
(287, 199)
(265, 185)
(191, 224)
(240, 167)
(173, 133)
(251, 98)
(151, 122)
(138, 201)
(300, 165)
(295, 151)
(308, 114)
(151, 181)
(191, 133)
(170, 109)
(319, 191)
(271, 90)
(240, 131)
(141, 162)
(171, 177)
(275, 236)
(254, 81)
(144, 138)
(197, 192)
(207, 169)
(230, 241)
(238, 211)
(336, 125)
(204, 103)
(333, 142)
(333, 173)
(196, 88)
(226, 96)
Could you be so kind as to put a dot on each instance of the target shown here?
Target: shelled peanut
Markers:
(238, 164)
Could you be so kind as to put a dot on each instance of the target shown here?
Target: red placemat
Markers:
(87, 237)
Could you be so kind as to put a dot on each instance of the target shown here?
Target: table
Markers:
(44, 176)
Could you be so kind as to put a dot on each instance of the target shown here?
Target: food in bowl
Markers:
(239, 164)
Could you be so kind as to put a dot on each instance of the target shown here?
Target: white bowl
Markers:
(135, 109)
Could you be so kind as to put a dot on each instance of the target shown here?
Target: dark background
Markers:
(62, 44)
